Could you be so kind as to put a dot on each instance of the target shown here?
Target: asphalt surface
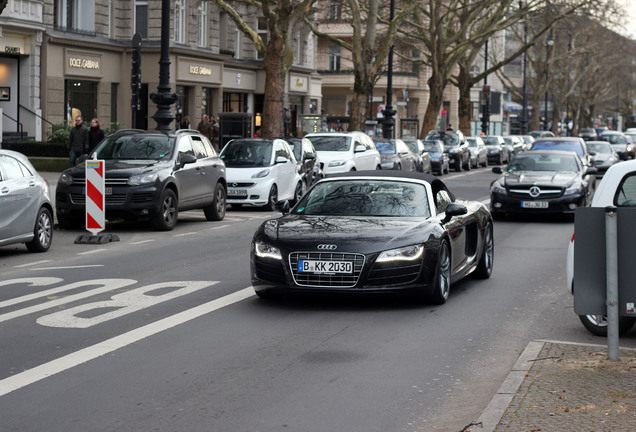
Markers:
(555, 386)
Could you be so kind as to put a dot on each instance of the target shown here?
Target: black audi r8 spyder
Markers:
(373, 231)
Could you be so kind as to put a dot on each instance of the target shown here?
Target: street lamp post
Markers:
(524, 109)
(388, 123)
(485, 96)
(548, 46)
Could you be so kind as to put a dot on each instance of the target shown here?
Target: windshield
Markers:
(613, 139)
(543, 162)
(432, 146)
(412, 145)
(296, 146)
(472, 142)
(247, 153)
(574, 146)
(490, 141)
(331, 143)
(385, 147)
(448, 138)
(136, 147)
(365, 198)
(600, 147)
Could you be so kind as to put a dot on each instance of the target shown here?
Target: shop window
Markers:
(179, 21)
(75, 15)
(206, 101)
(234, 102)
(334, 58)
(141, 18)
(80, 98)
(181, 106)
(202, 17)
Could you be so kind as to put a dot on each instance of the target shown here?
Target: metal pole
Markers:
(611, 251)
(485, 113)
(163, 98)
(388, 112)
(524, 110)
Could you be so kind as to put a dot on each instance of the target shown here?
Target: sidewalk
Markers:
(559, 386)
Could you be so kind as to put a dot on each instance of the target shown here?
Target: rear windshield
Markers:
(385, 147)
(560, 145)
(331, 143)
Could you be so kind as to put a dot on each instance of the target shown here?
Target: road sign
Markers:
(95, 196)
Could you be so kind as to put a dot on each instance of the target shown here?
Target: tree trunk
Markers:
(273, 64)
(436, 90)
(359, 103)
(464, 106)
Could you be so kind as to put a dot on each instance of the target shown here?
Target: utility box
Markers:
(590, 286)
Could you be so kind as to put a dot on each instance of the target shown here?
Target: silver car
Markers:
(26, 212)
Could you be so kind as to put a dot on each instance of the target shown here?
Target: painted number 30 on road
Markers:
(90, 314)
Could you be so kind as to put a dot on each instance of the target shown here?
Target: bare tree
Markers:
(280, 15)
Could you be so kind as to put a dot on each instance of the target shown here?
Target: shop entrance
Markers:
(80, 98)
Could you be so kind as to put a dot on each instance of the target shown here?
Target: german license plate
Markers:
(236, 193)
(325, 267)
(534, 204)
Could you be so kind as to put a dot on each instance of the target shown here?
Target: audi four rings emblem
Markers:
(327, 247)
(535, 191)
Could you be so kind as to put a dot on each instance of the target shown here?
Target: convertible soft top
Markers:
(436, 184)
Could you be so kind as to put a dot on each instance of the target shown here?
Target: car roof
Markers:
(19, 156)
(436, 184)
(548, 152)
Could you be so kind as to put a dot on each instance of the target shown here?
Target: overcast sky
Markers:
(630, 19)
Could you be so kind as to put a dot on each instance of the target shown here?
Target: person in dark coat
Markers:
(95, 135)
(78, 141)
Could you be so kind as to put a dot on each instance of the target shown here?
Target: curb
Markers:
(491, 416)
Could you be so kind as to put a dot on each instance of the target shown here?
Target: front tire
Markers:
(298, 193)
(166, 218)
(216, 210)
(271, 201)
(486, 262)
(443, 278)
(458, 165)
(597, 324)
(42, 232)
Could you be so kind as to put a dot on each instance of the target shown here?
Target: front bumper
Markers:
(503, 203)
(252, 192)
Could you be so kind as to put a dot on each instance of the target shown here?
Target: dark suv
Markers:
(455, 145)
(149, 176)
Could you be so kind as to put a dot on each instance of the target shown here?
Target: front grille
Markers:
(116, 199)
(544, 192)
(325, 280)
(240, 185)
(110, 181)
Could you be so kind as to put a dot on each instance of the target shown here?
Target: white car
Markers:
(345, 151)
(617, 188)
(260, 172)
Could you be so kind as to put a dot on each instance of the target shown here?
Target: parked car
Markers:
(542, 181)
(605, 155)
(515, 144)
(345, 151)
(395, 154)
(423, 158)
(260, 172)
(455, 145)
(478, 152)
(307, 160)
(622, 145)
(617, 188)
(439, 158)
(26, 211)
(575, 144)
(149, 176)
(374, 232)
(588, 134)
(527, 141)
(498, 152)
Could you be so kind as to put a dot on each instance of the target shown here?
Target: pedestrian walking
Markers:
(185, 123)
(215, 133)
(95, 135)
(204, 126)
(78, 141)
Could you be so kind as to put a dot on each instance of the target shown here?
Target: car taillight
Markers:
(572, 240)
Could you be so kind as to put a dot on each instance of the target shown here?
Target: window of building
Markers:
(261, 29)
(179, 21)
(181, 106)
(75, 15)
(202, 19)
(80, 98)
(334, 58)
(335, 10)
(234, 102)
(114, 87)
(141, 18)
(206, 101)
(237, 44)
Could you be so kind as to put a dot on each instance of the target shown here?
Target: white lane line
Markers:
(70, 267)
(185, 234)
(69, 361)
(34, 263)
(91, 252)
(142, 242)
(217, 227)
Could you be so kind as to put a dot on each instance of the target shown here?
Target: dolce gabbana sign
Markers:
(82, 64)
(197, 70)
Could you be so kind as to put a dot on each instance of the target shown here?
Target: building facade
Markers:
(78, 55)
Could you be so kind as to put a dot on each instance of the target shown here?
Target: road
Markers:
(160, 331)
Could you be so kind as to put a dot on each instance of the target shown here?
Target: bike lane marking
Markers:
(77, 358)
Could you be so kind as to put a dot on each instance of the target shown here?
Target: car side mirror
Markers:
(281, 159)
(360, 148)
(187, 159)
(454, 209)
(497, 170)
(591, 170)
(592, 153)
(310, 156)
(282, 206)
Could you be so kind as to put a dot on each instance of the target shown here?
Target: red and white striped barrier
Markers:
(95, 196)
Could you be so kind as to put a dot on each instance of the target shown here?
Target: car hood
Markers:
(540, 177)
(245, 174)
(328, 156)
(348, 234)
(123, 168)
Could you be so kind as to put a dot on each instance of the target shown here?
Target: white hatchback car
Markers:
(345, 151)
(260, 172)
(617, 188)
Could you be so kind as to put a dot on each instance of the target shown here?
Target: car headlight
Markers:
(576, 188)
(498, 188)
(264, 250)
(337, 163)
(453, 150)
(142, 179)
(65, 179)
(409, 253)
(261, 174)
